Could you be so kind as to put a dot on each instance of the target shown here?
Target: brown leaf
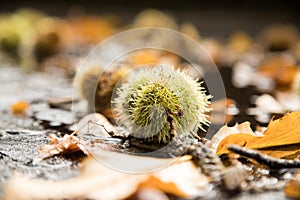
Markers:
(241, 139)
(287, 151)
(99, 182)
(95, 124)
(67, 144)
(181, 179)
(281, 135)
(283, 131)
(226, 131)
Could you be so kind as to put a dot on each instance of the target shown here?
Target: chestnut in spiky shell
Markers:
(155, 103)
(96, 86)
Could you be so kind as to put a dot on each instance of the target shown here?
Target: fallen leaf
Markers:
(96, 181)
(92, 125)
(226, 131)
(241, 139)
(180, 179)
(283, 131)
(67, 144)
(286, 151)
(96, 124)
(292, 188)
(280, 72)
(280, 135)
(19, 108)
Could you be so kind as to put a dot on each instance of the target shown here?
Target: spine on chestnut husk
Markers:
(154, 103)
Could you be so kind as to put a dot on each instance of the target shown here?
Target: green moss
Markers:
(156, 101)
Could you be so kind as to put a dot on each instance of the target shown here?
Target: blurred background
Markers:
(255, 44)
(215, 18)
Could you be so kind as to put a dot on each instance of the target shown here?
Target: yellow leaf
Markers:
(283, 131)
(226, 131)
(280, 135)
(288, 152)
(241, 139)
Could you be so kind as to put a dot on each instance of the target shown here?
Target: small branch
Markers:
(110, 132)
(271, 162)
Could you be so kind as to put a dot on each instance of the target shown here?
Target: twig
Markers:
(111, 133)
(271, 162)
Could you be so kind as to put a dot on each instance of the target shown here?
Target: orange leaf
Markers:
(241, 139)
(225, 131)
(281, 73)
(288, 151)
(19, 108)
(281, 132)
(96, 181)
(292, 188)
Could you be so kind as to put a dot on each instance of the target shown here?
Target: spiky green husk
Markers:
(157, 100)
(96, 86)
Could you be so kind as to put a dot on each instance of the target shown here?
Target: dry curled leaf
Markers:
(93, 124)
(67, 144)
(99, 182)
(282, 135)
